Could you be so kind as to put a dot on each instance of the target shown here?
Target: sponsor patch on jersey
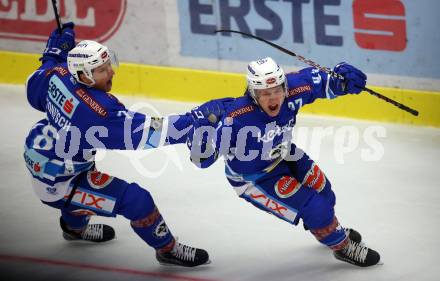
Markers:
(94, 201)
(63, 71)
(315, 178)
(241, 111)
(91, 102)
(269, 135)
(83, 212)
(276, 207)
(35, 162)
(299, 90)
(61, 97)
(161, 229)
(98, 180)
(286, 186)
(37, 167)
(57, 115)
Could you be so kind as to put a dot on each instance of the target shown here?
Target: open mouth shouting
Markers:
(273, 107)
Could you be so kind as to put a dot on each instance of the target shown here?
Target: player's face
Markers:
(103, 76)
(271, 99)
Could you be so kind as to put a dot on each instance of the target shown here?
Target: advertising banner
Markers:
(394, 41)
(388, 37)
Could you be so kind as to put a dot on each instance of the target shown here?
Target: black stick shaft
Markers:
(324, 69)
(57, 16)
(393, 102)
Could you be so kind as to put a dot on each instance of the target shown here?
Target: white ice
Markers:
(393, 200)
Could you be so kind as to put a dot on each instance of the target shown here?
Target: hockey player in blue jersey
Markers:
(72, 89)
(263, 164)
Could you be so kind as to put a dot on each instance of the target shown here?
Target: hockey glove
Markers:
(59, 44)
(353, 83)
(211, 112)
(201, 145)
(200, 139)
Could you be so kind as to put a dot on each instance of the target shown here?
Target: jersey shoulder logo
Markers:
(91, 102)
(241, 111)
(299, 90)
(63, 71)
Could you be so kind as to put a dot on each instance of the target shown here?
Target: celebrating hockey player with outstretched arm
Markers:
(72, 88)
(263, 164)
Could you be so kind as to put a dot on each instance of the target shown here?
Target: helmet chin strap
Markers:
(253, 95)
(92, 81)
(88, 85)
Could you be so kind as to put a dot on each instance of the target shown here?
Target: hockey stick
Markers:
(57, 16)
(324, 69)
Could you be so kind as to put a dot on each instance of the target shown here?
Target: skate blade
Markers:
(178, 265)
(87, 242)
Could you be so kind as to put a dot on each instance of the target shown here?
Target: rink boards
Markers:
(199, 85)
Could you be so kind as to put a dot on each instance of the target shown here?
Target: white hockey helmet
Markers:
(86, 56)
(264, 74)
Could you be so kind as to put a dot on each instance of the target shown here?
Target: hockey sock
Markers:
(74, 222)
(333, 235)
(153, 230)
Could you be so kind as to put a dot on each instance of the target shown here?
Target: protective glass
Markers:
(113, 59)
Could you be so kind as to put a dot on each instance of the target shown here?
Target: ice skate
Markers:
(357, 254)
(183, 255)
(353, 235)
(92, 233)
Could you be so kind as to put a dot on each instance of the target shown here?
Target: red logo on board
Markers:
(380, 24)
(35, 20)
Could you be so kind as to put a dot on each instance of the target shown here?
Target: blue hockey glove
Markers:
(211, 112)
(59, 44)
(205, 120)
(353, 83)
(201, 145)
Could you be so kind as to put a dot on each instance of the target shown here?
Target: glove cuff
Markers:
(53, 57)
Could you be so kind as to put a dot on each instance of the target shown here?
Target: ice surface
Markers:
(392, 200)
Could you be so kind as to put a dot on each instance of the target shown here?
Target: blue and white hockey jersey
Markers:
(251, 141)
(80, 120)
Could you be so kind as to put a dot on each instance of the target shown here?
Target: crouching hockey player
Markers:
(263, 164)
(72, 88)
